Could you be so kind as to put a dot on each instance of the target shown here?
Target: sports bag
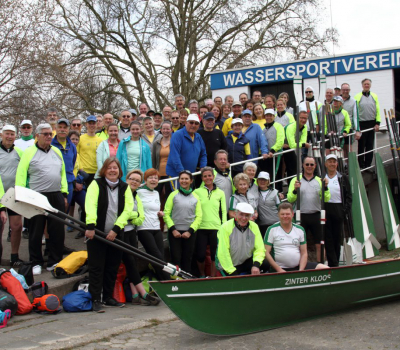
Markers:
(26, 271)
(74, 264)
(4, 317)
(49, 304)
(13, 286)
(39, 289)
(8, 302)
(119, 293)
(77, 301)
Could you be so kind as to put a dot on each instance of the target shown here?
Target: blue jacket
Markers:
(69, 155)
(236, 152)
(145, 156)
(185, 154)
(257, 140)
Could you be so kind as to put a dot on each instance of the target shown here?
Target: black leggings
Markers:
(366, 143)
(204, 238)
(182, 250)
(245, 268)
(333, 232)
(312, 223)
(129, 260)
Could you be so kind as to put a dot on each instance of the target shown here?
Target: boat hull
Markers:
(246, 304)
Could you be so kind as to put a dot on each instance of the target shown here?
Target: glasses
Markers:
(195, 123)
(177, 118)
(73, 124)
(308, 92)
(135, 180)
(309, 164)
(126, 116)
(26, 127)
(46, 134)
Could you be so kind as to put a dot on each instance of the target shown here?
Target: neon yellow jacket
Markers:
(375, 97)
(347, 123)
(292, 197)
(1, 194)
(290, 131)
(227, 126)
(137, 217)
(21, 177)
(223, 251)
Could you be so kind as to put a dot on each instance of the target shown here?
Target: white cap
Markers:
(269, 111)
(263, 175)
(25, 121)
(9, 127)
(330, 156)
(338, 88)
(245, 208)
(237, 120)
(309, 88)
(193, 117)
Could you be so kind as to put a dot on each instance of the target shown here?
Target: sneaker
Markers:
(67, 250)
(97, 306)
(113, 303)
(37, 270)
(136, 300)
(51, 268)
(79, 235)
(16, 263)
(149, 300)
(25, 234)
(43, 241)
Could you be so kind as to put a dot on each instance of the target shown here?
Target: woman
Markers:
(258, 115)
(183, 115)
(250, 169)
(183, 216)
(108, 207)
(139, 295)
(149, 231)
(159, 157)
(249, 105)
(133, 152)
(226, 110)
(108, 148)
(213, 206)
(285, 96)
(270, 102)
(149, 135)
(268, 201)
(242, 182)
(283, 117)
(216, 110)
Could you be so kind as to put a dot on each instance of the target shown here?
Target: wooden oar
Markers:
(42, 206)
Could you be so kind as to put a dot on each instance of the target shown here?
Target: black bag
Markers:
(7, 301)
(83, 284)
(26, 271)
(39, 289)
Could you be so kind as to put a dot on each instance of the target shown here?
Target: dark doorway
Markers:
(276, 89)
(396, 75)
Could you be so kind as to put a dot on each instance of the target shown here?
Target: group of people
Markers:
(133, 177)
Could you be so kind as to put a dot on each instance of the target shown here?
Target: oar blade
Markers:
(26, 210)
(31, 197)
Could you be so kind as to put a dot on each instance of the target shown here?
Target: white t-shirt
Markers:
(286, 246)
(151, 206)
(334, 188)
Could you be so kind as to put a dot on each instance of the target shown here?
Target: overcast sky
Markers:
(365, 25)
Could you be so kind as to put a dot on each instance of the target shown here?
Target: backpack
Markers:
(74, 264)
(77, 301)
(8, 302)
(14, 287)
(26, 271)
(48, 304)
(39, 289)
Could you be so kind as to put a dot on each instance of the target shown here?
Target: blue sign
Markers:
(357, 63)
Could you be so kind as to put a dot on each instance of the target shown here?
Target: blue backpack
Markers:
(77, 301)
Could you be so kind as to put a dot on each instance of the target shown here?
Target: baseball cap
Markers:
(237, 120)
(263, 175)
(209, 115)
(247, 111)
(338, 98)
(193, 117)
(237, 103)
(63, 120)
(330, 156)
(91, 118)
(9, 127)
(26, 121)
(269, 111)
(133, 111)
(157, 113)
(245, 208)
(150, 111)
(338, 88)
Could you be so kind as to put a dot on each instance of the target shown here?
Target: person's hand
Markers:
(89, 234)
(66, 203)
(285, 146)
(111, 235)
(78, 187)
(255, 270)
(281, 270)
(186, 235)
(326, 181)
(281, 196)
(160, 214)
(297, 184)
(376, 127)
(345, 134)
(266, 155)
(308, 145)
(255, 216)
(3, 217)
(176, 234)
(358, 135)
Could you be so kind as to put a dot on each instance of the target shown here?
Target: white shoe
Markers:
(43, 241)
(37, 270)
(51, 268)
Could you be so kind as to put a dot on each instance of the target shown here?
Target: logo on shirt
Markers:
(296, 242)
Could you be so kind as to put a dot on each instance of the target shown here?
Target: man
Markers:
(157, 120)
(124, 127)
(76, 124)
(167, 113)
(100, 122)
(337, 91)
(370, 117)
(240, 245)
(176, 125)
(27, 138)
(193, 107)
(338, 205)
(10, 157)
(143, 108)
(187, 150)
(229, 100)
(237, 113)
(134, 114)
(218, 101)
(43, 166)
(257, 97)
(310, 187)
(87, 148)
(253, 132)
(179, 102)
(350, 105)
(222, 178)
(243, 98)
(209, 103)
(52, 118)
(213, 138)
(150, 113)
(328, 96)
(289, 243)
(107, 120)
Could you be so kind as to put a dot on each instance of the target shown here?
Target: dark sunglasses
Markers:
(309, 164)
(73, 124)
(26, 127)
(195, 123)
(46, 134)
(309, 92)
(126, 116)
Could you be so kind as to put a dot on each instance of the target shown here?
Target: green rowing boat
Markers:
(246, 304)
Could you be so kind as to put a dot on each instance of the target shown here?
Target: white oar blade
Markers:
(374, 241)
(26, 195)
(26, 210)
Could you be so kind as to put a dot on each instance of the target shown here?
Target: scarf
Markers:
(27, 138)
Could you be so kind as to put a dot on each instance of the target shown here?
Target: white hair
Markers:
(249, 165)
